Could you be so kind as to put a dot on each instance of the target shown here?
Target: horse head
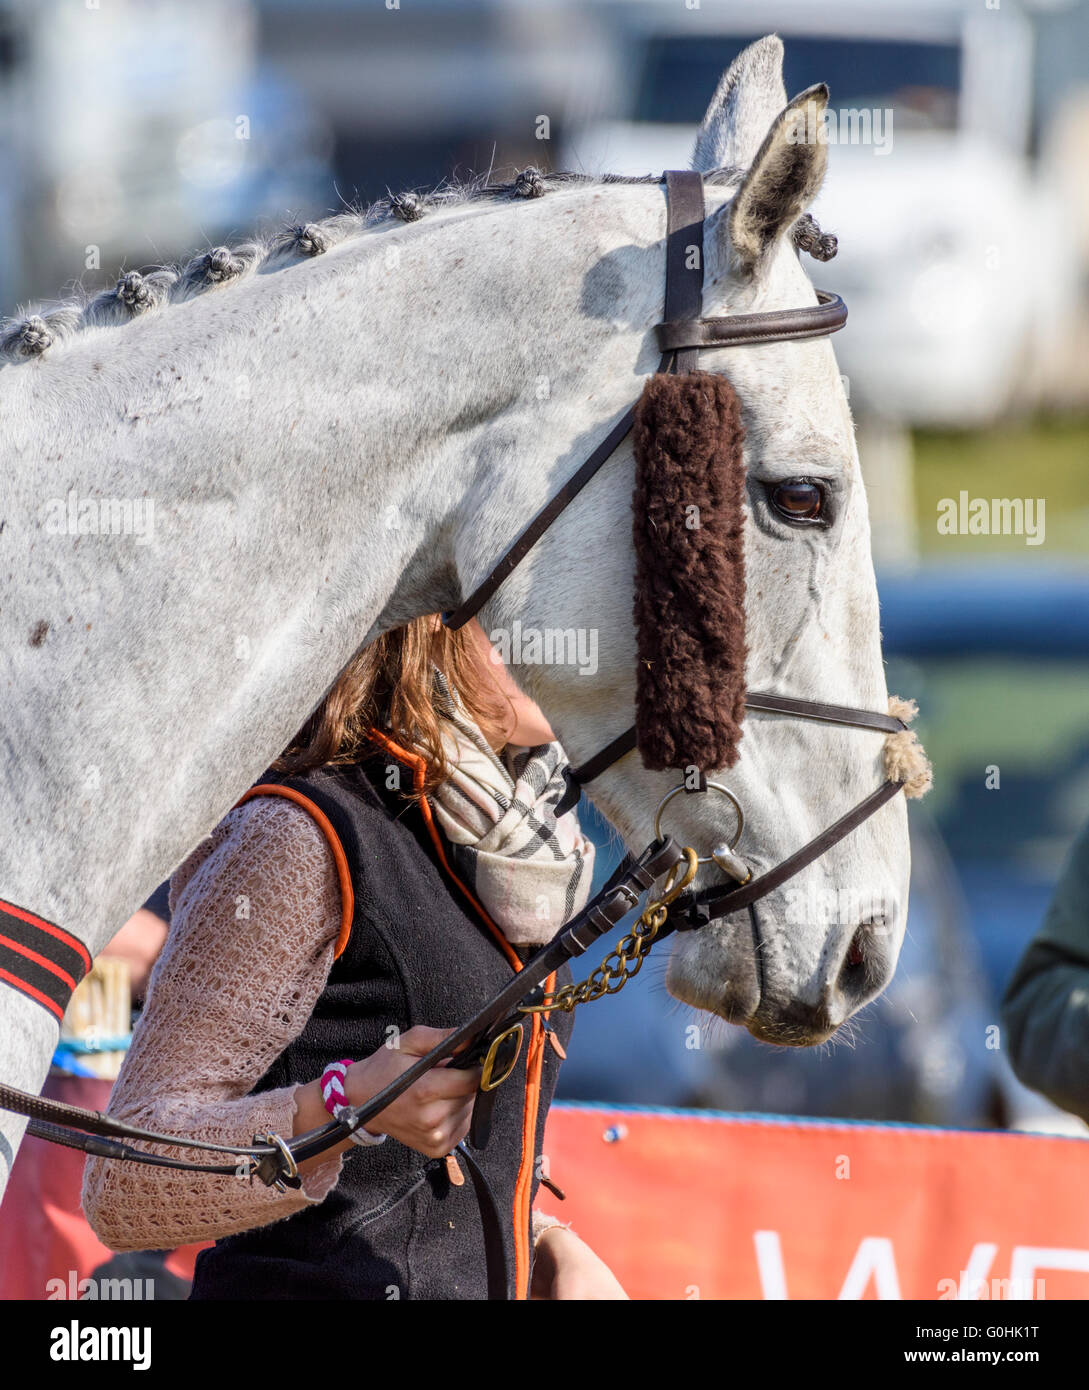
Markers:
(796, 964)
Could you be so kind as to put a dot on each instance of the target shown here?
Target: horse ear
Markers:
(749, 97)
(783, 179)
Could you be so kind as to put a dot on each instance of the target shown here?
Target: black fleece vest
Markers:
(395, 1225)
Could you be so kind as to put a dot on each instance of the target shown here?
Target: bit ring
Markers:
(711, 786)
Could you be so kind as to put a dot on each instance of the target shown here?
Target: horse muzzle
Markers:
(746, 968)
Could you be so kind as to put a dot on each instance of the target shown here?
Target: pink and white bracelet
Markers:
(336, 1100)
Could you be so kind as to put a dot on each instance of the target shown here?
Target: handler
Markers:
(371, 893)
(1046, 1008)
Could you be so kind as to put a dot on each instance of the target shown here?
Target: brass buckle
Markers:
(489, 1082)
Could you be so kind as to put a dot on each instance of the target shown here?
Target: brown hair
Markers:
(389, 686)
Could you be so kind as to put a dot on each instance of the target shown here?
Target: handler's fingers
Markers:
(418, 1041)
(442, 1084)
(459, 1126)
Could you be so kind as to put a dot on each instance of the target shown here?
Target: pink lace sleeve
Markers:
(256, 910)
(541, 1222)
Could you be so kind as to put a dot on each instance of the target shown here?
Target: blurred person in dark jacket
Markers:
(1046, 1007)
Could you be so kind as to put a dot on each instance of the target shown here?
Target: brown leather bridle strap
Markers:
(845, 715)
(696, 909)
(544, 519)
(825, 713)
(682, 335)
(683, 300)
(684, 257)
(577, 777)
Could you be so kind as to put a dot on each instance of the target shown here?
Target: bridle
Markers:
(492, 1037)
(681, 336)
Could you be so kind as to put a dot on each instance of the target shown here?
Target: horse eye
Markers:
(796, 500)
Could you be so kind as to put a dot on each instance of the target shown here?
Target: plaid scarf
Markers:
(530, 871)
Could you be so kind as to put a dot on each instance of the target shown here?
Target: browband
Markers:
(776, 326)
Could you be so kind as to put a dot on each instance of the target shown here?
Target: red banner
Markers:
(686, 1205)
(47, 1249)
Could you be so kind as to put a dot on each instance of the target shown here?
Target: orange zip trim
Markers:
(347, 894)
(523, 1187)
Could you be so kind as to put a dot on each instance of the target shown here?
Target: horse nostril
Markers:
(867, 963)
(852, 986)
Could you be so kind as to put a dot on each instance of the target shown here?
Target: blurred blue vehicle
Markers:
(999, 659)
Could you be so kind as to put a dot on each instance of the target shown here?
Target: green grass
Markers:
(1029, 719)
(1046, 458)
(1019, 714)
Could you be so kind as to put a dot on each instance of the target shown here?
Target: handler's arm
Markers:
(1046, 1008)
(256, 912)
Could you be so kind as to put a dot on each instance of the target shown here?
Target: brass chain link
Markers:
(626, 958)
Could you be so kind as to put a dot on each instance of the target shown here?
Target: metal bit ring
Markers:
(711, 787)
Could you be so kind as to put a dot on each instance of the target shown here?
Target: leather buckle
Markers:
(489, 1081)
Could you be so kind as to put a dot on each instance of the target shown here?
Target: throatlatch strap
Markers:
(40, 959)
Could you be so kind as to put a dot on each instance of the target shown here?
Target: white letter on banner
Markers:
(769, 1262)
(1027, 1259)
(875, 1258)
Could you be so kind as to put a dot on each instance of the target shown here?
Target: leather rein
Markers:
(488, 1038)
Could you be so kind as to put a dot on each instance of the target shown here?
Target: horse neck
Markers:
(325, 447)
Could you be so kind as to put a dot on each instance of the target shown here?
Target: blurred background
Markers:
(171, 125)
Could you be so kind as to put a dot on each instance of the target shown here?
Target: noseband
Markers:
(490, 1038)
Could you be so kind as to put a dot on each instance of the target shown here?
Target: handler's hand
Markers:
(433, 1115)
(564, 1267)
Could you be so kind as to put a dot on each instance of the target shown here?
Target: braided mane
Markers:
(33, 330)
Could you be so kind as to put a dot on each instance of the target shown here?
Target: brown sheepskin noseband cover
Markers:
(689, 572)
